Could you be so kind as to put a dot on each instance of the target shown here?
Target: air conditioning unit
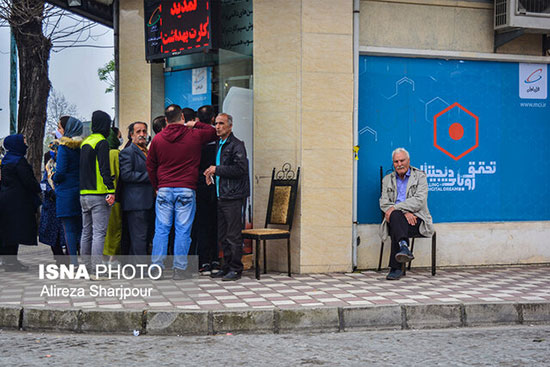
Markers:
(531, 15)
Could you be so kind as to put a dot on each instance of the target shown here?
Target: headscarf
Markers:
(16, 149)
(101, 123)
(73, 127)
(112, 139)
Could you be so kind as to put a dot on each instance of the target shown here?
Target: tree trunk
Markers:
(34, 52)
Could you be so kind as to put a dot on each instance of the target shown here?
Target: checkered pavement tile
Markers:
(503, 284)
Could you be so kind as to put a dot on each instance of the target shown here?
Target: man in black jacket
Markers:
(205, 227)
(138, 197)
(230, 174)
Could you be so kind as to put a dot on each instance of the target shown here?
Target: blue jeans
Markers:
(173, 203)
(73, 232)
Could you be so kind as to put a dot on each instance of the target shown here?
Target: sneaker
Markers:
(181, 274)
(205, 269)
(231, 276)
(215, 267)
(113, 263)
(404, 255)
(394, 274)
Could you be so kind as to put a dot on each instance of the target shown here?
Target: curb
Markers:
(305, 320)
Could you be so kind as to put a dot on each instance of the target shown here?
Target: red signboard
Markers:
(176, 27)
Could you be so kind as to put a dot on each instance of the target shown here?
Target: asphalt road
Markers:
(502, 346)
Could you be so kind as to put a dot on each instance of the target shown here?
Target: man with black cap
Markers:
(97, 190)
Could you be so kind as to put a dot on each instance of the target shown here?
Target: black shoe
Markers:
(231, 276)
(205, 269)
(157, 273)
(219, 274)
(215, 267)
(394, 274)
(404, 255)
(15, 267)
(181, 274)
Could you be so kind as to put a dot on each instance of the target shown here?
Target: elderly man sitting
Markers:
(404, 201)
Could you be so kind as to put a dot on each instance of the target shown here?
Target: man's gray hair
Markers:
(229, 117)
(400, 150)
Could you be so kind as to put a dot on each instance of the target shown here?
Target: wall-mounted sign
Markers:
(483, 146)
(237, 26)
(532, 81)
(176, 27)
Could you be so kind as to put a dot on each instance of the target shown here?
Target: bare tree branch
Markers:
(38, 28)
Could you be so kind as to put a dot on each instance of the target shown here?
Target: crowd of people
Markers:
(181, 193)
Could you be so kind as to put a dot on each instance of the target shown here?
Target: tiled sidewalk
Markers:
(493, 285)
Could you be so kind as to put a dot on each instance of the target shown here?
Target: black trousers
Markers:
(9, 249)
(230, 224)
(140, 230)
(400, 230)
(204, 235)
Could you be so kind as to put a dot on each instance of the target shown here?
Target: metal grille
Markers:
(500, 12)
(534, 6)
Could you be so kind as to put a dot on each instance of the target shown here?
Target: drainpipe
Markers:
(355, 237)
(116, 35)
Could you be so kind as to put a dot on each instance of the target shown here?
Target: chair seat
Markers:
(265, 233)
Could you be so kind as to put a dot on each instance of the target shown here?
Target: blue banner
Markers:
(479, 129)
(188, 88)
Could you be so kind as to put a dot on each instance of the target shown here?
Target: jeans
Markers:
(73, 231)
(175, 205)
(95, 218)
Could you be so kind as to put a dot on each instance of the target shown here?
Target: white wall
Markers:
(460, 244)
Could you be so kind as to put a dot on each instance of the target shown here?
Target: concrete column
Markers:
(303, 108)
(141, 85)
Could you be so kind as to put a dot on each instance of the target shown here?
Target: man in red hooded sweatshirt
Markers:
(173, 167)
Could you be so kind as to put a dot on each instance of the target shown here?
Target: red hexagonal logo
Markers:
(456, 131)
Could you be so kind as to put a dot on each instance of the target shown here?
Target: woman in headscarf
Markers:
(112, 247)
(67, 182)
(19, 201)
(50, 230)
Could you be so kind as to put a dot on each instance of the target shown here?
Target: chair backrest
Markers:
(282, 196)
(382, 174)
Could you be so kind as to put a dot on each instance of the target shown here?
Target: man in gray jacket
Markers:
(404, 201)
(138, 197)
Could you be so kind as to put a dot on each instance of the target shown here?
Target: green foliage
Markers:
(107, 74)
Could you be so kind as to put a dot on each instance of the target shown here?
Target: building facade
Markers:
(339, 84)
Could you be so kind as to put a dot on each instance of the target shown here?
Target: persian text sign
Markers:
(447, 179)
(175, 27)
